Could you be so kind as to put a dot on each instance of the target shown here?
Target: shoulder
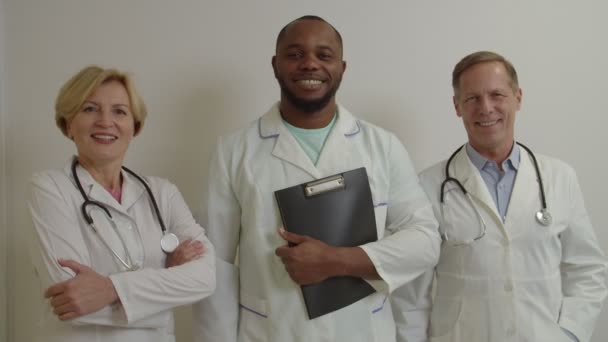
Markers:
(433, 175)
(240, 137)
(47, 179)
(160, 185)
(374, 131)
(380, 140)
(554, 167)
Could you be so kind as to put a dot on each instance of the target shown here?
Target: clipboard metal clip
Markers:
(324, 185)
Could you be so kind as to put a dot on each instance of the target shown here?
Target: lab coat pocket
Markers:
(253, 322)
(253, 304)
(445, 314)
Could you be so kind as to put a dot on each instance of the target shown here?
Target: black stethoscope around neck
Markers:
(543, 216)
(168, 241)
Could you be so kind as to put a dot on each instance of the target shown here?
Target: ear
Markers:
(518, 96)
(456, 107)
(343, 66)
(136, 128)
(67, 130)
(274, 66)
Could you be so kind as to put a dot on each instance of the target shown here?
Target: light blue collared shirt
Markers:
(499, 183)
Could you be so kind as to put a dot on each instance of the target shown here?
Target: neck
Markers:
(307, 120)
(106, 174)
(497, 154)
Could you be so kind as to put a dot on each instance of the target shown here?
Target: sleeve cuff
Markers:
(380, 285)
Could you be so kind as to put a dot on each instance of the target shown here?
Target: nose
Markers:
(104, 118)
(486, 105)
(309, 62)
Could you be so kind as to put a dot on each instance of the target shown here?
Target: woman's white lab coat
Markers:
(148, 295)
(267, 306)
(522, 281)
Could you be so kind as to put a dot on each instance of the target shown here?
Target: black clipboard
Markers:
(339, 211)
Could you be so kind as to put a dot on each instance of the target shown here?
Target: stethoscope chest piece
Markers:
(544, 217)
(169, 242)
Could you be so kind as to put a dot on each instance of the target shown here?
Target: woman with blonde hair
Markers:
(107, 249)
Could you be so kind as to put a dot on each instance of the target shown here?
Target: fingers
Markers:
(68, 316)
(59, 300)
(282, 252)
(55, 290)
(63, 308)
(187, 250)
(292, 237)
(73, 265)
(67, 311)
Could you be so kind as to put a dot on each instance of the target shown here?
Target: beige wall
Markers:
(3, 190)
(204, 69)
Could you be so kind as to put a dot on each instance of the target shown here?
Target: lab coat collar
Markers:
(525, 189)
(287, 148)
(132, 189)
(462, 168)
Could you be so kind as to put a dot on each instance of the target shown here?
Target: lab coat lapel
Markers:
(526, 193)
(336, 156)
(132, 190)
(96, 192)
(469, 176)
(286, 147)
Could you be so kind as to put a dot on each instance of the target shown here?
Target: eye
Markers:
(89, 109)
(325, 56)
(471, 99)
(120, 111)
(294, 55)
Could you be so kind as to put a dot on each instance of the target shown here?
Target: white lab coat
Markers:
(258, 301)
(522, 281)
(147, 296)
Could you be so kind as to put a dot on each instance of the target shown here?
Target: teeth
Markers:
(104, 137)
(309, 83)
(488, 123)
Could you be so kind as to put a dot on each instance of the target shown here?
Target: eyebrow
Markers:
(114, 105)
(296, 45)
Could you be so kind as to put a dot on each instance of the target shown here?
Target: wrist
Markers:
(111, 291)
(340, 261)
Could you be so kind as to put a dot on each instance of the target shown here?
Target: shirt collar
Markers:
(480, 161)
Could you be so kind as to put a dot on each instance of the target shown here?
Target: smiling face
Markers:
(487, 104)
(308, 65)
(104, 125)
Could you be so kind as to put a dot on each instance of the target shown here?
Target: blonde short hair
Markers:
(483, 57)
(78, 88)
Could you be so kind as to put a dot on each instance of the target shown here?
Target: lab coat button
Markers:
(508, 286)
(511, 331)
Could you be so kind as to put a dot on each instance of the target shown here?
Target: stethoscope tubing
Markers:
(448, 178)
(88, 201)
(168, 242)
(543, 216)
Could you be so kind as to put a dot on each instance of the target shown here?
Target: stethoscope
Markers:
(543, 216)
(168, 242)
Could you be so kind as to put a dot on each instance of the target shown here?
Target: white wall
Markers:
(204, 69)
(3, 192)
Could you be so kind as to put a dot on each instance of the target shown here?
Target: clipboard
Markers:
(339, 211)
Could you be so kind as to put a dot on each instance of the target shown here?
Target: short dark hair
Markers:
(483, 57)
(307, 17)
